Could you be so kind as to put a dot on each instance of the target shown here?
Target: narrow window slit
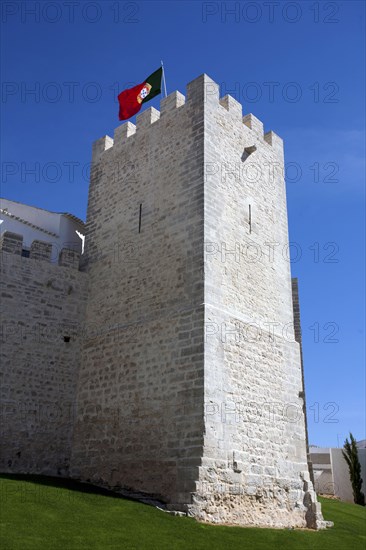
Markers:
(140, 215)
(250, 218)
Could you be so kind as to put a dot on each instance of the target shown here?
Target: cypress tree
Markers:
(350, 454)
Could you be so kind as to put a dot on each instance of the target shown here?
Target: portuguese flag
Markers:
(131, 100)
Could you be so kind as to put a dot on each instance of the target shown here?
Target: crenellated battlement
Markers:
(202, 91)
(12, 243)
(175, 298)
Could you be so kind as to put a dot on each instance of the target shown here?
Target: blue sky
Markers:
(298, 66)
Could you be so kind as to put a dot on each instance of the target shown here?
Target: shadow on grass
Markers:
(80, 487)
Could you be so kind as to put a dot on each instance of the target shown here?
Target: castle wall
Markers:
(41, 304)
(255, 447)
(170, 369)
(141, 375)
(186, 377)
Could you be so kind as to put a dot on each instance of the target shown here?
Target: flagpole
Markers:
(164, 82)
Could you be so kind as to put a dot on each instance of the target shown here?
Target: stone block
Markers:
(40, 250)
(123, 132)
(171, 102)
(231, 105)
(11, 243)
(146, 118)
(203, 91)
(69, 258)
(254, 124)
(98, 148)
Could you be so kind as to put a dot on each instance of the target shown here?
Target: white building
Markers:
(61, 229)
(331, 473)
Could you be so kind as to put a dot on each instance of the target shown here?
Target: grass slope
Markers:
(44, 513)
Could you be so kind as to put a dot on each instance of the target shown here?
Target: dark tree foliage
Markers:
(350, 454)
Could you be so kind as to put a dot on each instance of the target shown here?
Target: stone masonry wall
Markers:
(168, 365)
(161, 390)
(42, 304)
(254, 459)
(140, 390)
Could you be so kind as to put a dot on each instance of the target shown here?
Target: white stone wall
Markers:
(189, 383)
(255, 447)
(141, 373)
(41, 305)
(211, 423)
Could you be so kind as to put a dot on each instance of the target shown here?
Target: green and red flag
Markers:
(131, 100)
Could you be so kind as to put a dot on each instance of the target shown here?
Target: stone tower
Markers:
(190, 385)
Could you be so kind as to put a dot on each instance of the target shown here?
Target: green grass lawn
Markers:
(49, 514)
